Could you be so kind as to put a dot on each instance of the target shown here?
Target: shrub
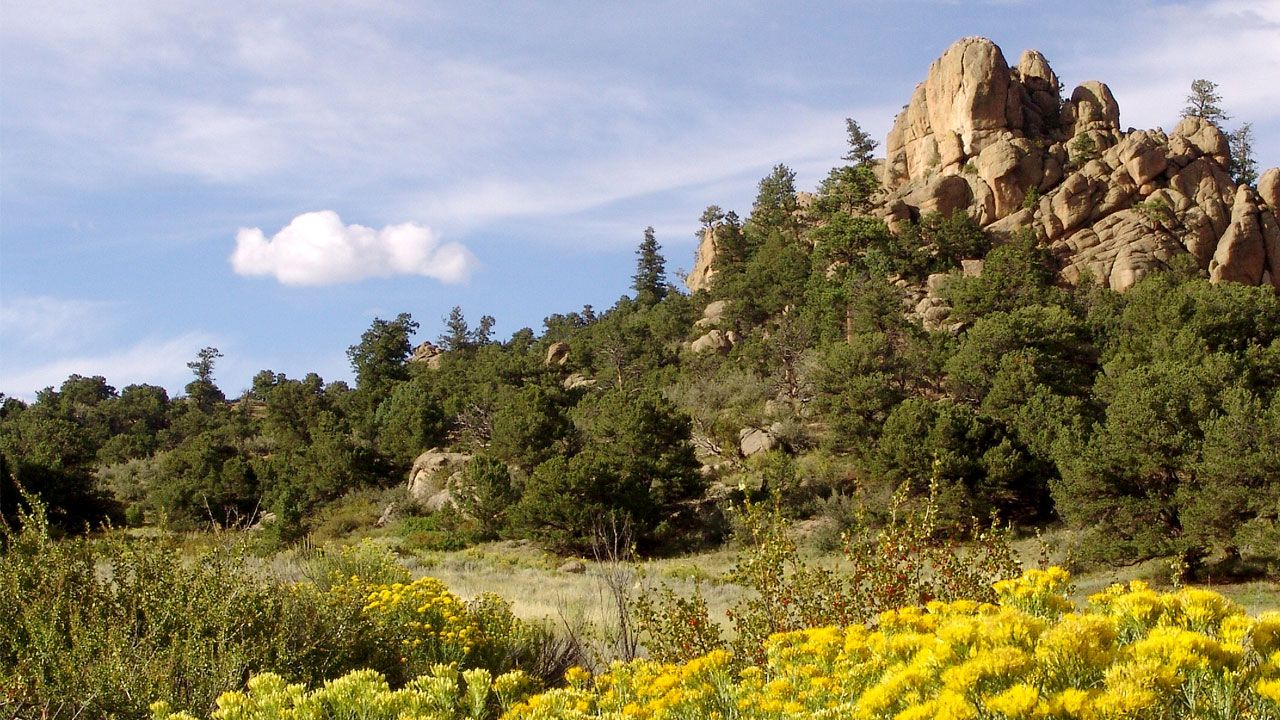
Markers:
(1128, 653)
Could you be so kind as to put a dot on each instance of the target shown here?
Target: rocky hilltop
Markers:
(1002, 144)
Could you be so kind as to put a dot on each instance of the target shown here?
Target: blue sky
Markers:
(267, 177)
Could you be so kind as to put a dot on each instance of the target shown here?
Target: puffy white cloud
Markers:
(316, 248)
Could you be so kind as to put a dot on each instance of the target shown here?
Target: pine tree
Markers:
(861, 146)
(1203, 102)
(457, 334)
(650, 280)
(1244, 169)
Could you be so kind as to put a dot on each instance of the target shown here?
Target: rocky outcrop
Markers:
(712, 314)
(557, 354)
(427, 354)
(1269, 189)
(1241, 255)
(433, 474)
(699, 278)
(1001, 144)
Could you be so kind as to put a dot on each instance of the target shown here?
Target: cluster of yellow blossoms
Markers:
(442, 694)
(1129, 653)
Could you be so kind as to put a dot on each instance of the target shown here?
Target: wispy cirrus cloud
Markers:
(158, 361)
(43, 322)
(316, 248)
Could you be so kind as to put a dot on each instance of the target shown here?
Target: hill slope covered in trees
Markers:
(1040, 315)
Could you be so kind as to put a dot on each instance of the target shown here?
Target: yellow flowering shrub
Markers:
(442, 694)
(1129, 652)
(430, 625)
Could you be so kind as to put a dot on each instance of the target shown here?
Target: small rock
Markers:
(753, 441)
(573, 567)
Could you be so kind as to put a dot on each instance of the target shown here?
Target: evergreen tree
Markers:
(650, 280)
(483, 334)
(202, 390)
(1244, 169)
(1203, 101)
(861, 146)
(379, 359)
(457, 334)
(774, 208)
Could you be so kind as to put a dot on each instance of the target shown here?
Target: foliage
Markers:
(650, 280)
(485, 493)
(379, 359)
(1014, 275)
(1244, 168)
(1202, 102)
(1082, 149)
(444, 694)
(1128, 653)
(903, 563)
(861, 146)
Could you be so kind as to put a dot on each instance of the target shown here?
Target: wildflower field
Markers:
(1128, 652)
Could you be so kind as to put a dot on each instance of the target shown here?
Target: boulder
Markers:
(433, 473)
(753, 441)
(1241, 255)
(942, 194)
(717, 341)
(1092, 109)
(712, 314)
(1142, 156)
(1011, 167)
(1195, 138)
(935, 282)
(1269, 189)
(1072, 203)
(577, 380)
(427, 354)
(557, 354)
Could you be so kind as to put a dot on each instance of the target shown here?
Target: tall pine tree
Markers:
(650, 280)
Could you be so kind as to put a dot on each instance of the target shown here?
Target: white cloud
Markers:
(42, 322)
(156, 361)
(316, 248)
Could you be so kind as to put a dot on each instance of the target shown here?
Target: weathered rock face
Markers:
(963, 104)
(699, 278)
(1269, 189)
(434, 472)
(1241, 255)
(1000, 143)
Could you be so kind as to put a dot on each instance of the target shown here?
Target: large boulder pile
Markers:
(1003, 144)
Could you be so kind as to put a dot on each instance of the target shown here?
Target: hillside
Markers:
(1022, 310)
